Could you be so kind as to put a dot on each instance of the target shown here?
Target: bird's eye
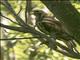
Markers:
(37, 12)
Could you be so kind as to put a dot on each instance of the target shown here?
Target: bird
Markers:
(50, 26)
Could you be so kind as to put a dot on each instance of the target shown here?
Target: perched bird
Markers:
(50, 26)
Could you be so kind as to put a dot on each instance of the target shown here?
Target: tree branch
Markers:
(21, 38)
(9, 7)
(9, 19)
(27, 29)
(66, 13)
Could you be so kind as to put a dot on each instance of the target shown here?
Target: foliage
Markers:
(21, 46)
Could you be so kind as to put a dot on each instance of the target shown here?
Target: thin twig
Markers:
(68, 52)
(21, 38)
(18, 19)
(31, 30)
(9, 19)
(19, 10)
(26, 12)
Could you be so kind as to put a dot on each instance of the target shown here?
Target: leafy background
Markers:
(26, 49)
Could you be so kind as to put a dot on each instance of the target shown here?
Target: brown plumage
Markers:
(48, 25)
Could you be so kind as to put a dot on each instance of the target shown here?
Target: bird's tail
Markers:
(72, 45)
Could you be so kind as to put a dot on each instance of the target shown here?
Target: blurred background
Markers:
(26, 49)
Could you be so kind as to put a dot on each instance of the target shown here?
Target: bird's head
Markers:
(39, 13)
